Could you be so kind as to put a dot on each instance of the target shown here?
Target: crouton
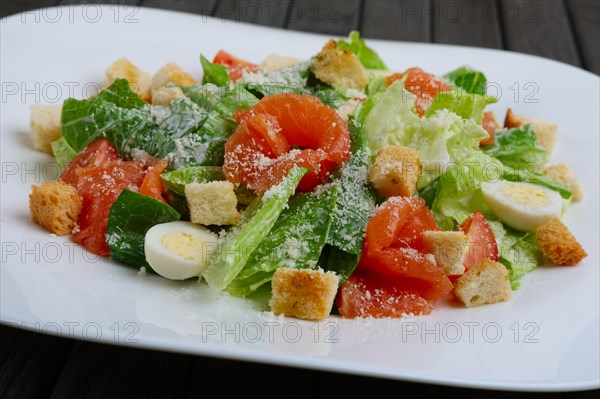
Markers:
(275, 62)
(484, 283)
(139, 81)
(396, 171)
(45, 126)
(212, 203)
(545, 131)
(340, 68)
(559, 244)
(303, 293)
(172, 73)
(448, 248)
(55, 206)
(166, 95)
(563, 174)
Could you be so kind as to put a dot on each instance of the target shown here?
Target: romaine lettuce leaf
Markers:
(176, 180)
(464, 104)
(441, 138)
(214, 73)
(468, 79)
(219, 124)
(79, 125)
(459, 187)
(365, 54)
(131, 216)
(377, 84)
(290, 79)
(184, 132)
(63, 152)
(517, 148)
(295, 241)
(355, 201)
(517, 250)
(244, 239)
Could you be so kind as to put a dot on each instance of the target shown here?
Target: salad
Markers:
(332, 184)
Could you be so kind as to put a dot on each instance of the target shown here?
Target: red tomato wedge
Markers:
(95, 154)
(153, 186)
(100, 176)
(490, 124)
(372, 295)
(236, 66)
(395, 263)
(422, 84)
(99, 187)
(482, 244)
(283, 131)
(400, 223)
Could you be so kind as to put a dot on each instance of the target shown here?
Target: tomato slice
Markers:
(490, 124)
(236, 66)
(99, 187)
(281, 132)
(482, 244)
(400, 223)
(95, 154)
(373, 295)
(152, 185)
(394, 262)
(422, 84)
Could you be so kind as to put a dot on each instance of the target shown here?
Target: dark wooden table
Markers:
(34, 365)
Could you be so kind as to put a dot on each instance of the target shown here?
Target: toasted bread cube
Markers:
(212, 203)
(139, 81)
(559, 244)
(563, 174)
(484, 283)
(340, 68)
(172, 73)
(166, 95)
(545, 131)
(45, 126)
(396, 171)
(275, 62)
(448, 248)
(55, 206)
(303, 293)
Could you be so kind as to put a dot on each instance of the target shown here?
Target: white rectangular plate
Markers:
(546, 338)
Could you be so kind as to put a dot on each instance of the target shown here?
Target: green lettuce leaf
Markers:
(459, 193)
(468, 79)
(295, 241)
(244, 239)
(63, 152)
(517, 148)
(214, 73)
(377, 84)
(176, 180)
(355, 201)
(365, 54)
(464, 104)
(219, 124)
(131, 216)
(184, 132)
(290, 79)
(517, 250)
(440, 139)
(79, 124)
